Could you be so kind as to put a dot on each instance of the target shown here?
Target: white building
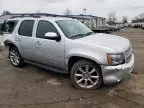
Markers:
(139, 21)
(93, 22)
(141, 16)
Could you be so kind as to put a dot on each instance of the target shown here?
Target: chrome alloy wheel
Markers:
(14, 57)
(86, 76)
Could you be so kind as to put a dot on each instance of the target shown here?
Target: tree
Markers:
(111, 18)
(67, 12)
(5, 12)
(125, 19)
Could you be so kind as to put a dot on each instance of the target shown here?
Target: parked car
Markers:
(66, 45)
(142, 26)
(115, 28)
(137, 25)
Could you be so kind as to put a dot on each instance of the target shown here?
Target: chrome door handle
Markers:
(17, 39)
(38, 43)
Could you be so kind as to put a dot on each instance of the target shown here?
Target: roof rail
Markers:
(21, 16)
(35, 15)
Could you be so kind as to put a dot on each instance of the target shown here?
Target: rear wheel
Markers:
(86, 75)
(15, 57)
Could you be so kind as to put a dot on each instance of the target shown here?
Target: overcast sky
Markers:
(130, 8)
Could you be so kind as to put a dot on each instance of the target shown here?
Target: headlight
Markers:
(116, 59)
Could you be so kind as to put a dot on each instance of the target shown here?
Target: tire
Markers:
(83, 72)
(15, 57)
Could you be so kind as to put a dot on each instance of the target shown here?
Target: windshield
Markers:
(74, 28)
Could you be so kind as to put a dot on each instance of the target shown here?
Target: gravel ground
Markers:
(34, 87)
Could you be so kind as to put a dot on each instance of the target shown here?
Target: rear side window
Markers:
(26, 28)
(9, 26)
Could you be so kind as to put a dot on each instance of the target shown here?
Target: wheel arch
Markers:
(73, 59)
(9, 44)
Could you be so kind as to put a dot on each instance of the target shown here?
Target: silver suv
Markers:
(66, 45)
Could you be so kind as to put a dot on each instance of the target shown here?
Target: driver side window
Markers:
(43, 28)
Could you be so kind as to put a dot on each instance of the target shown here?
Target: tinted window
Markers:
(26, 28)
(9, 27)
(44, 27)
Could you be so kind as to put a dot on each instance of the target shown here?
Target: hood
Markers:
(116, 43)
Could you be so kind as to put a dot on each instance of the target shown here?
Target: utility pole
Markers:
(84, 11)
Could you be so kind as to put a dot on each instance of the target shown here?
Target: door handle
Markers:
(17, 39)
(38, 43)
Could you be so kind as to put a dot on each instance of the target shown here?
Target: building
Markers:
(141, 16)
(139, 20)
(93, 22)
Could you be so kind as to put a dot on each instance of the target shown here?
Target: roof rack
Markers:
(35, 15)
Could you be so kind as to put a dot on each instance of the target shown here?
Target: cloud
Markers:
(129, 8)
(53, 1)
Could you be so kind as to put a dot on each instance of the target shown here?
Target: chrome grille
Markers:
(128, 55)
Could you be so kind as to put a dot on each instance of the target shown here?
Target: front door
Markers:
(49, 52)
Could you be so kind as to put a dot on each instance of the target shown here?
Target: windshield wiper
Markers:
(82, 35)
(78, 36)
(89, 33)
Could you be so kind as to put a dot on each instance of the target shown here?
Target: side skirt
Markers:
(54, 69)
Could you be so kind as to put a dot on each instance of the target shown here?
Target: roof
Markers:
(4, 17)
(42, 18)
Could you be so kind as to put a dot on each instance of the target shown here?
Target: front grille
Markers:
(128, 55)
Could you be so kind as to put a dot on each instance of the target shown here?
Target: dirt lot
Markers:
(33, 87)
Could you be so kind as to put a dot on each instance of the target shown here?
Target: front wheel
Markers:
(15, 57)
(86, 75)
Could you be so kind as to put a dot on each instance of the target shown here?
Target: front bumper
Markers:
(115, 74)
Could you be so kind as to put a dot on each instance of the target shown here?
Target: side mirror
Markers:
(52, 36)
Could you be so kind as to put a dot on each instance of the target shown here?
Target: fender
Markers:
(6, 42)
(99, 58)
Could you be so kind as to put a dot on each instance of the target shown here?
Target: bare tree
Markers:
(111, 18)
(125, 19)
(67, 12)
(5, 12)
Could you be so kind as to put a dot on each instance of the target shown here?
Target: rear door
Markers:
(25, 39)
(7, 29)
